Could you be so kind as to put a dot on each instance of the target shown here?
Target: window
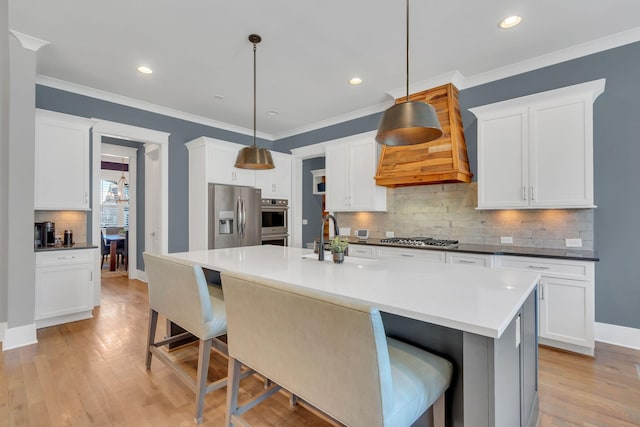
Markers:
(112, 211)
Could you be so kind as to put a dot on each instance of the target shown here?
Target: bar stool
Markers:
(179, 292)
(331, 352)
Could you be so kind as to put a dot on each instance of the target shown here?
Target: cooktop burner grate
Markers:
(419, 241)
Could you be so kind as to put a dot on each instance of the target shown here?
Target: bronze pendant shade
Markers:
(253, 157)
(410, 122)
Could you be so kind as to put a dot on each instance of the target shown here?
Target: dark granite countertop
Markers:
(568, 253)
(65, 248)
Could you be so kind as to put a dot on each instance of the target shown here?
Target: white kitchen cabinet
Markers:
(536, 151)
(408, 253)
(276, 183)
(350, 165)
(220, 156)
(64, 286)
(363, 251)
(461, 258)
(566, 300)
(61, 162)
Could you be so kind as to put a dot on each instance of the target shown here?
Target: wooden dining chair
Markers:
(179, 292)
(331, 352)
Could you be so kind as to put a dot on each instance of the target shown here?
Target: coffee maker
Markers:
(44, 234)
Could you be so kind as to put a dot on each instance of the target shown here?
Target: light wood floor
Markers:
(92, 373)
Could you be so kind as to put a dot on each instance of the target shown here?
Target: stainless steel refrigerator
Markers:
(234, 216)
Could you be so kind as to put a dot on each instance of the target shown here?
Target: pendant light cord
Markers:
(254, 94)
(407, 2)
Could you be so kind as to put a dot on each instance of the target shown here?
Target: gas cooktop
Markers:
(420, 241)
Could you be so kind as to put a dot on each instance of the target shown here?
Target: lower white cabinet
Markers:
(478, 260)
(363, 251)
(64, 286)
(417, 254)
(566, 300)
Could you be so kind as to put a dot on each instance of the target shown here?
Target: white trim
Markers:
(142, 276)
(363, 112)
(454, 76)
(3, 329)
(29, 42)
(618, 335)
(142, 105)
(297, 156)
(19, 337)
(557, 57)
(130, 133)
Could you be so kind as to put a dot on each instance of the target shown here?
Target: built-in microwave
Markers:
(275, 217)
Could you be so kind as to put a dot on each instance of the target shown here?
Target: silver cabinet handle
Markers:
(538, 267)
(531, 192)
(524, 193)
(66, 257)
(541, 292)
(408, 255)
(464, 261)
(86, 197)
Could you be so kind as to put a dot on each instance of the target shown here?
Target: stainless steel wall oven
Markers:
(275, 221)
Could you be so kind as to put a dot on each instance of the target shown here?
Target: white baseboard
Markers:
(19, 337)
(3, 328)
(142, 276)
(618, 335)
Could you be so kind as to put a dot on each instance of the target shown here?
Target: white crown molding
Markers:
(29, 42)
(19, 337)
(559, 56)
(142, 105)
(363, 112)
(454, 77)
(617, 335)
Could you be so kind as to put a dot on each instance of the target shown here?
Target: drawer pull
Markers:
(407, 255)
(464, 261)
(539, 267)
(66, 257)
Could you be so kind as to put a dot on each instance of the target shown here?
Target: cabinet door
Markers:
(566, 311)
(61, 164)
(63, 290)
(336, 187)
(502, 159)
(362, 170)
(220, 170)
(417, 254)
(560, 155)
(276, 183)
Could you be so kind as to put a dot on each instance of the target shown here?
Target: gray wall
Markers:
(311, 203)
(616, 154)
(4, 152)
(181, 131)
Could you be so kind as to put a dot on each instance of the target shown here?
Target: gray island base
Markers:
(483, 320)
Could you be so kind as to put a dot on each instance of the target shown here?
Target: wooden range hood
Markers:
(435, 162)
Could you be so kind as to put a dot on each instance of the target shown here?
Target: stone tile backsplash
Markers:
(448, 211)
(75, 221)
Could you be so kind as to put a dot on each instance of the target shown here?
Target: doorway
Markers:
(160, 162)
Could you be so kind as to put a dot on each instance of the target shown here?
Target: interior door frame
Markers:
(138, 134)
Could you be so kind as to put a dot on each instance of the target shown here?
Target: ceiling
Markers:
(310, 49)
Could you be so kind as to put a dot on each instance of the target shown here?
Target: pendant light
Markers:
(119, 192)
(253, 157)
(410, 122)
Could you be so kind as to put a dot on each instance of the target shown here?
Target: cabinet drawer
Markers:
(418, 254)
(63, 257)
(362, 251)
(579, 270)
(469, 259)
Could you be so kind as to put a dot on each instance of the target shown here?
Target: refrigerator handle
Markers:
(244, 218)
(238, 216)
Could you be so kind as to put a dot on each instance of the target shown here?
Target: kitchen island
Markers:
(483, 320)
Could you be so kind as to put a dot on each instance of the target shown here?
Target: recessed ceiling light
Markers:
(272, 113)
(510, 21)
(144, 69)
(218, 97)
(355, 81)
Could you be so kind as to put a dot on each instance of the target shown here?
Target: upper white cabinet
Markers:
(350, 165)
(276, 183)
(61, 162)
(537, 151)
(218, 157)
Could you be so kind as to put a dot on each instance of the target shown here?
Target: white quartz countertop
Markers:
(473, 299)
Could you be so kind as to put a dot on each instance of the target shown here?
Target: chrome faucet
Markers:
(335, 228)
